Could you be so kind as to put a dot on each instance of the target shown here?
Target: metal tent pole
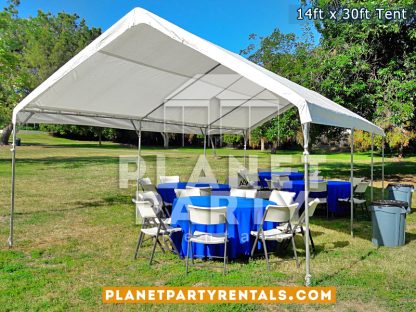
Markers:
(139, 154)
(372, 167)
(205, 144)
(13, 150)
(382, 168)
(245, 147)
(352, 184)
(308, 275)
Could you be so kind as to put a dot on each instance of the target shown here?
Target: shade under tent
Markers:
(147, 74)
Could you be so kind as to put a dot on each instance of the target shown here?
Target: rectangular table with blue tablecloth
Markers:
(336, 190)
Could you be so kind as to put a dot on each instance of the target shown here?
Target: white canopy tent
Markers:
(146, 74)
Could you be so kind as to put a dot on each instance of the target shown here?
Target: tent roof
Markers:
(146, 69)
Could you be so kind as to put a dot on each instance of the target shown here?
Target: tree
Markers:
(32, 49)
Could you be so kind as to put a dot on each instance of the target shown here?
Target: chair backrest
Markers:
(242, 177)
(294, 169)
(154, 198)
(275, 213)
(251, 193)
(169, 179)
(145, 209)
(312, 207)
(282, 198)
(149, 188)
(356, 181)
(361, 187)
(280, 178)
(264, 169)
(247, 193)
(207, 180)
(204, 190)
(187, 192)
(207, 215)
(318, 187)
(145, 181)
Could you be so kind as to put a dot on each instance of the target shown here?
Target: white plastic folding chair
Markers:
(207, 216)
(356, 181)
(169, 179)
(253, 181)
(157, 202)
(146, 185)
(280, 214)
(154, 227)
(321, 187)
(282, 197)
(299, 222)
(359, 197)
(204, 190)
(242, 177)
(277, 181)
(187, 192)
(247, 193)
(207, 180)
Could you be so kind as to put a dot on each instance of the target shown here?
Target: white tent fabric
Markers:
(145, 69)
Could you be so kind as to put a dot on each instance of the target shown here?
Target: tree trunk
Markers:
(99, 136)
(262, 144)
(165, 139)
(7, 131)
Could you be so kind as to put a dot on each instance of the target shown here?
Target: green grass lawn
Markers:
(76, 232)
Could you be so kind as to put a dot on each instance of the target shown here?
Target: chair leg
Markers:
(294, 251)
(254, 245)
(175, 250)
(265, 253)
(327, 210)
(153, 251)
(312, 243)
(225, 257)
(187, 255)
(160, 245)
(139, 243)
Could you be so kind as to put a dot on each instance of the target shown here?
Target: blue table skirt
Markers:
(167, 190)
(336, 190)
(293, 176)
(243, 215)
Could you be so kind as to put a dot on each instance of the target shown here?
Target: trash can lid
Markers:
(390, 202)
(397, 185)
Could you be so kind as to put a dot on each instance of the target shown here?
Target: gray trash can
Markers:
(401, 192)
(389, 222)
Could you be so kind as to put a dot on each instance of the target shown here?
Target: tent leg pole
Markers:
(372, 167)
(308, 275)
(13, 150)
(382, 168)
(139, 155)
(205, 145)
(352, 186)
(245, 148)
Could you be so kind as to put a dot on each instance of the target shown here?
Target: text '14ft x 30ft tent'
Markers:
(147, 74)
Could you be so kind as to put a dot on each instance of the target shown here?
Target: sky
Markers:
(227, 23)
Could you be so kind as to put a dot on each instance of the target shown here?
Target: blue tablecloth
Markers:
(167, 190)
(243, 215)
(336, 190)
(268, 175)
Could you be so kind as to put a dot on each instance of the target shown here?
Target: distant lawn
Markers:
(75, 233)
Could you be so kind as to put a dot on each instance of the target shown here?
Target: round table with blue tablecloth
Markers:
(243, 215)
(267, 175)
(336, 190)
(167, 190)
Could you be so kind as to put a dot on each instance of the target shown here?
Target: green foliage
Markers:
(33, 48)
(232, 139)
(367, 66)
